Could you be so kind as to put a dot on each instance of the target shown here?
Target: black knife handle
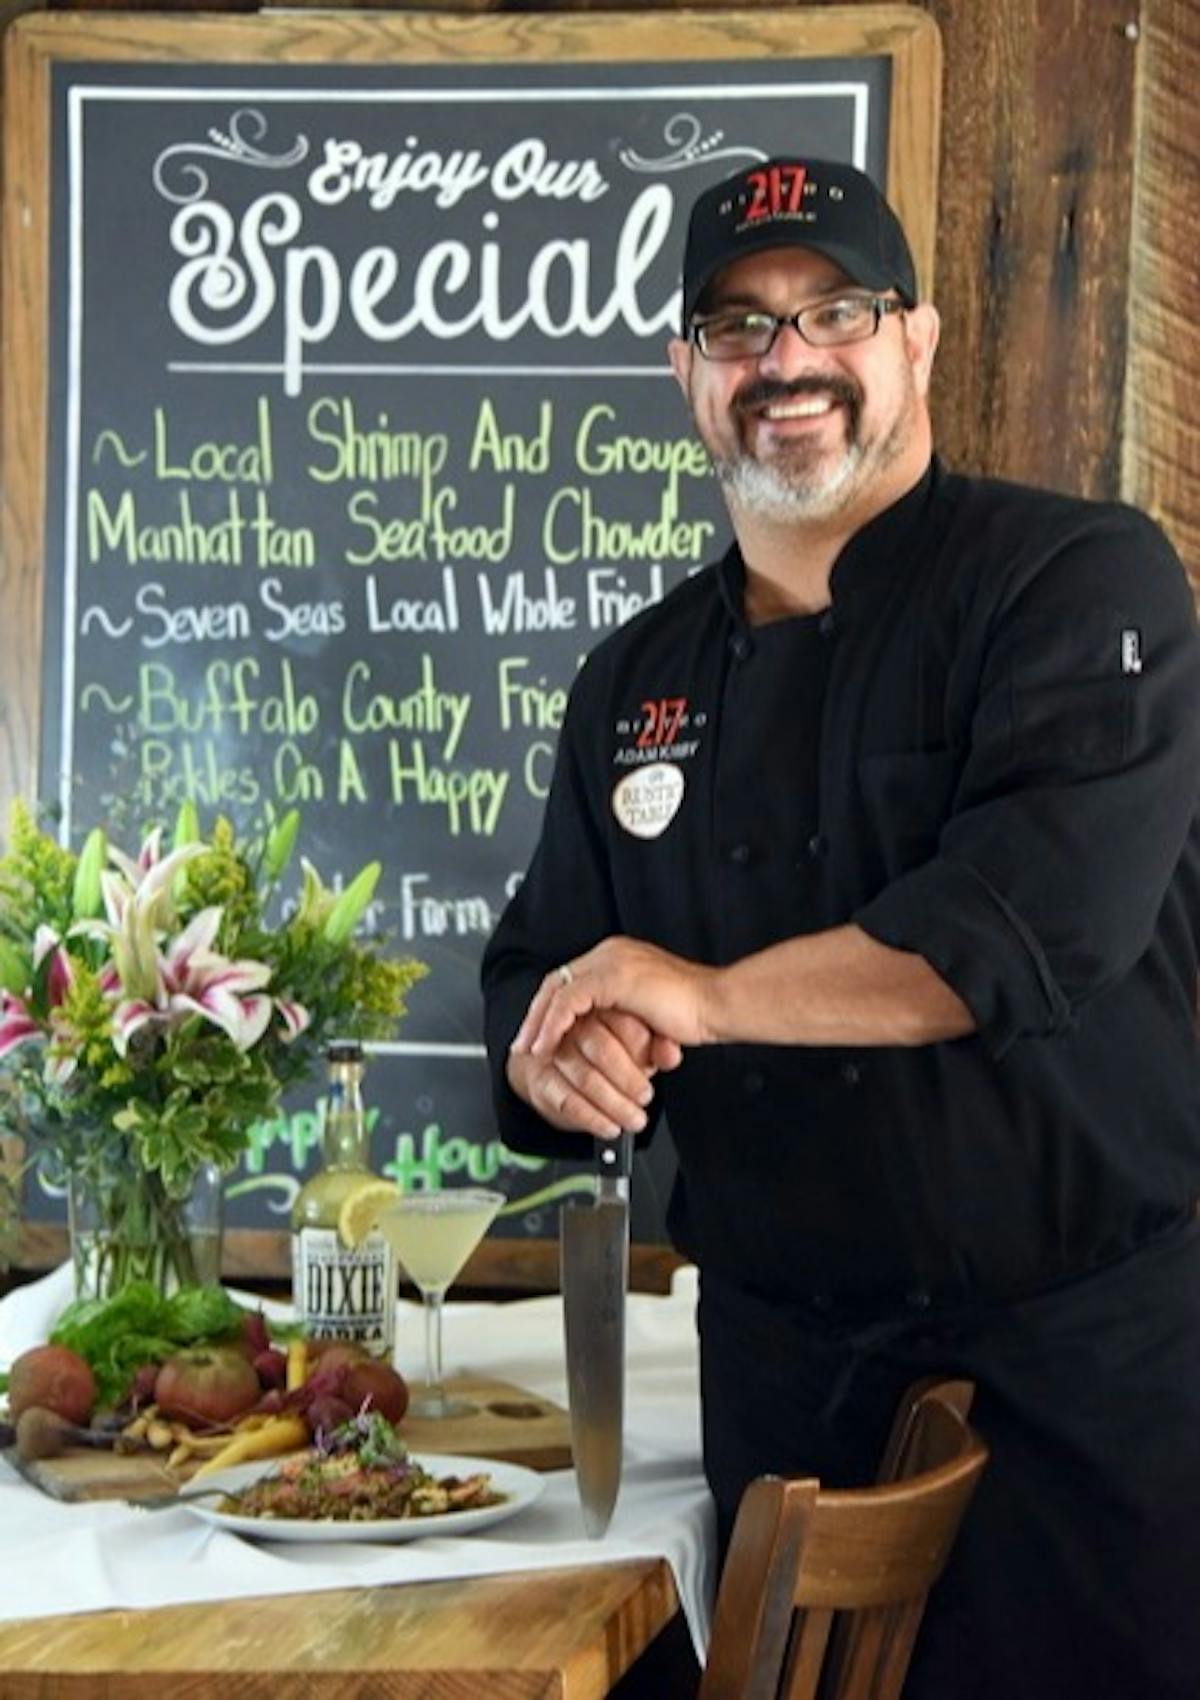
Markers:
(614, 1161)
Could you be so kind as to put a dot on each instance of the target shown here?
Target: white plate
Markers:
(519, 1486)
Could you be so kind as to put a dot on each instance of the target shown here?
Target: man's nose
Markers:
(789, 353)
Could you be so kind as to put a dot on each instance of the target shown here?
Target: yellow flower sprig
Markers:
(153, 999)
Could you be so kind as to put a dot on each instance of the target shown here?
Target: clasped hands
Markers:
(594, 1037)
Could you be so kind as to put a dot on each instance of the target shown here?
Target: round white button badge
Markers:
(647, 800)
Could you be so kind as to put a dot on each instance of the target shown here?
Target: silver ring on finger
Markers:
(565, 973)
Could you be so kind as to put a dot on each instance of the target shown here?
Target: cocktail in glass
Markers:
(433, 1233)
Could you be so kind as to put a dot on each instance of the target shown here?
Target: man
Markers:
(871, 858)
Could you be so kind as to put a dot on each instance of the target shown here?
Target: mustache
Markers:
(761, 392)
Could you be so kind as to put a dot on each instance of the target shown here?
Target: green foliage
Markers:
(36, 873)
(166, 1013)
(139, 1326)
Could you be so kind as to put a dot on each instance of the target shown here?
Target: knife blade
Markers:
(594, 1254)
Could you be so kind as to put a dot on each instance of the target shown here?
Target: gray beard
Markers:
(769, 492)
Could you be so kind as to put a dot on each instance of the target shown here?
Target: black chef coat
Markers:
(987, 751)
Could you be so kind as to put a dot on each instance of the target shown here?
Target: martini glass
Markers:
(433, 1234)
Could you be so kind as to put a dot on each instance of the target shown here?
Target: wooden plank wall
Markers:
(1160, 431)
(1067, 256)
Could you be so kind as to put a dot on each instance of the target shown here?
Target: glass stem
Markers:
(434, 1390)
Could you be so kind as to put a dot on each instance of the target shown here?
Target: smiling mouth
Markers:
(810, 407)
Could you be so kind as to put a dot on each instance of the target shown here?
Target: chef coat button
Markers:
(917, 1298)
(739, 643)
(827, 624)
(753, 1082)
(817, 845)
(740, 853)
(851, 1073)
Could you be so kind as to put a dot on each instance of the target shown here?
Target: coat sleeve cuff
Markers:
(948, 913)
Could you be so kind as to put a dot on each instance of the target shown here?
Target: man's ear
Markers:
(922, 328)
(681, 354)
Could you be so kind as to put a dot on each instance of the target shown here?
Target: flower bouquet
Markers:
(150, 1013)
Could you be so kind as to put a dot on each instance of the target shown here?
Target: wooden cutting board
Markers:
(509, 1424)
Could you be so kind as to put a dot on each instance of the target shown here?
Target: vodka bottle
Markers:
(339, 1291)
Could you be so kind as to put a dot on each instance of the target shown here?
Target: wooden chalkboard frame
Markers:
(36, 43)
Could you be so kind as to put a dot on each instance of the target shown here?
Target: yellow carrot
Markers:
(297, 1363)
(281, 1434)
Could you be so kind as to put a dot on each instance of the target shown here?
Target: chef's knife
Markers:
(594, 1247)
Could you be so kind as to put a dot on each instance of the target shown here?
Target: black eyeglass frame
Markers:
(881, 306)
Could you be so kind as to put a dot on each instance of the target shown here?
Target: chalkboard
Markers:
(359, 434)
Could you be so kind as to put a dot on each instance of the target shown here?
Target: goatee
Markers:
(776, 491)
(798, 484)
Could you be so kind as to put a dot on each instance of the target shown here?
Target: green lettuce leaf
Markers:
(139, 1326)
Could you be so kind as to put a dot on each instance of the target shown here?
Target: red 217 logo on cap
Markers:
(775, 192)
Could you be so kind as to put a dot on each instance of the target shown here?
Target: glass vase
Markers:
(127, 1226)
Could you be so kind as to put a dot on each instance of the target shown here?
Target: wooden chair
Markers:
(801, 1556)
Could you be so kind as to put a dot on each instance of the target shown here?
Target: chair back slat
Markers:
(854, 1664)
(756, 1601)
(908, 1451)
(805, 1657)
(799, 1555)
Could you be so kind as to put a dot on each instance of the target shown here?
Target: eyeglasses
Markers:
(749, 333)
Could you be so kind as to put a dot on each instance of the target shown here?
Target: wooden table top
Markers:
(541, 1635)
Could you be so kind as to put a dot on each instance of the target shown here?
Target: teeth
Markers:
(800, 409)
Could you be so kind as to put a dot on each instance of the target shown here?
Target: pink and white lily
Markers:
(194, 979)
(17, 1026)
(138, 909)
(294, 1018)
(47, 945)
(202, 982)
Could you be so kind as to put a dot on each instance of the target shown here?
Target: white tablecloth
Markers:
(74, 1558)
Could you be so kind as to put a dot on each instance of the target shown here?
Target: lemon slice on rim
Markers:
(363, 1207)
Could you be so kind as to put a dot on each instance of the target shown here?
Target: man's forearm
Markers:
(839, 987)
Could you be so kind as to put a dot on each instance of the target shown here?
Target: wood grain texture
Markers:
(1160, 468)
(567, 1634)
(260, 1255)
(1033, 239)
(24, 272)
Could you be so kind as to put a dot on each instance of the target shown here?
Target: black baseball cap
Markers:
(791, 202)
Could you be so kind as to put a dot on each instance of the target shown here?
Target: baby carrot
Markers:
(277, 1435)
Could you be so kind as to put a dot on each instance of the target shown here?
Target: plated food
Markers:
(515, 1487)
(359, 1482)
(360, 1472)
